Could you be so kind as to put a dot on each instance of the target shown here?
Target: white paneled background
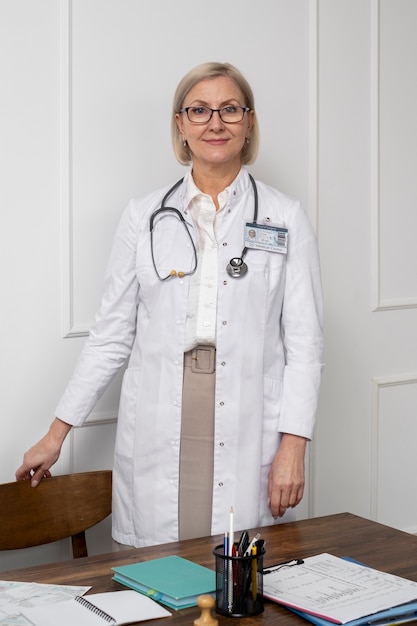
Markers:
(86, 93)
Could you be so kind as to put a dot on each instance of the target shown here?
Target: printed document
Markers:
(336, 589)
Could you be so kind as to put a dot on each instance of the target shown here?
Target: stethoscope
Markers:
(236, 268)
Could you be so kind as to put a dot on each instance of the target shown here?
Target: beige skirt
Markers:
(197, 443)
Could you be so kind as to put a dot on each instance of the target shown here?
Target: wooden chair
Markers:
(59, 507)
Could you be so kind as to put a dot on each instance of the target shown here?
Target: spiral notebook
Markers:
(99, 609)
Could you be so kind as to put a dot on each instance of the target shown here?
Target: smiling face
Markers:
(215, 145)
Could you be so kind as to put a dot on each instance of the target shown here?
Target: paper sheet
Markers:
(15, 595)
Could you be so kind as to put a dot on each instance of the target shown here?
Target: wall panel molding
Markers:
(313, 190)
(70, 328)
(374, 179)
(313, 113)
(378, 454)
(95, 420)
(379, 303)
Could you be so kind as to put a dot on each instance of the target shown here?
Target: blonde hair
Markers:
(202, 72)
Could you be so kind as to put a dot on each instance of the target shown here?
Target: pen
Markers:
(225, 571)
(260, 546)
(252, 543)
(254, 570)
(236, 590)
(243, 543)
(226, 544)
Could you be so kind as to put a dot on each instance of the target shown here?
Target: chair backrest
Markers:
(59, 507)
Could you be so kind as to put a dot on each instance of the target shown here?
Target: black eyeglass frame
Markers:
(219, 111)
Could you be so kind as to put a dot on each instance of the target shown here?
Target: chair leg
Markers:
(79, 545)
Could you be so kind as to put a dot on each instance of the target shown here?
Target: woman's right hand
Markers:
(38, 460)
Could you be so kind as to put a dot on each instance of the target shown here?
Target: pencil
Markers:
(231, 531)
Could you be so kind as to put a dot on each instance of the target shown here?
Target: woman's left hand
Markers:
(287, 476)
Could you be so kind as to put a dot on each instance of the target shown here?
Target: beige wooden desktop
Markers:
(376, 545)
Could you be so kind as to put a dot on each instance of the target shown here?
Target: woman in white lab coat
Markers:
(215, 302)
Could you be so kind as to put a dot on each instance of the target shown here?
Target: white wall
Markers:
(85, 104)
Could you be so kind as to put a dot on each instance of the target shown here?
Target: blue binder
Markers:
(403, 614)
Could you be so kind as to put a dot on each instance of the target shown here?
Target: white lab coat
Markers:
(269, 360)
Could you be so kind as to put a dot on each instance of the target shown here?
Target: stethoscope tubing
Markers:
(236, 267)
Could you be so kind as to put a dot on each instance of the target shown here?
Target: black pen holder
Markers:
(239, 583)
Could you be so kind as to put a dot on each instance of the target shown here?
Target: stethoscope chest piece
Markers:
(236, 268)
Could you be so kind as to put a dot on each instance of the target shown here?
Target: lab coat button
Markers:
(224, 323)
(223, 363)
(221, 444)
(222, 403)
(220, 484)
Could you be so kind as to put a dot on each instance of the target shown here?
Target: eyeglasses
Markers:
(230, 114)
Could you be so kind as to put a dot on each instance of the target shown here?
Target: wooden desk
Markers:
(344, 534)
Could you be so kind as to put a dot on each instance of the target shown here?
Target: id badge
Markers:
(266, 237)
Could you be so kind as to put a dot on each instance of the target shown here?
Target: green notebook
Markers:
(171, 580)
